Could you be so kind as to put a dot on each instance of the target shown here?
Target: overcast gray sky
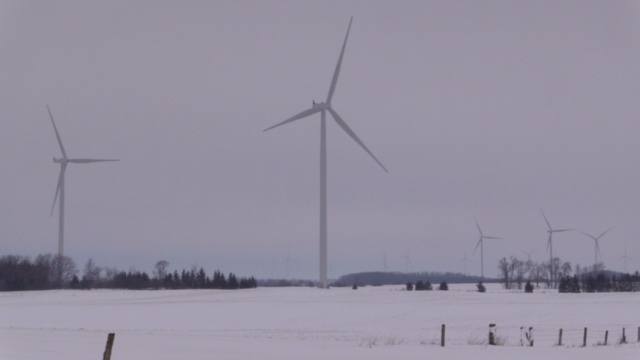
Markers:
(491, 109)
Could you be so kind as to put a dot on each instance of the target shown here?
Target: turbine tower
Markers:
(481, 245)
(595, 239)
(323, 108)
(64, 161)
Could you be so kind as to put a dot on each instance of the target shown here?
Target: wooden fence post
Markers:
(624, 337)
(584, 338)
(107, 350)
(560, 338)
(638, 334)
(442, 336)
(492, 334)
(606, 337)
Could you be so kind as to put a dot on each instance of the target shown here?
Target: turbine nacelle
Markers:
(320, 106)
(60, 160)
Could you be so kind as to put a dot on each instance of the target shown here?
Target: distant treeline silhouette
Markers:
(601, 282)
(377, 278)
(18, 273)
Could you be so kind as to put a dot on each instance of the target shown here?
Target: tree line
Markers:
(562, 275)
(601, 282)
(377, 278)
(18, 273)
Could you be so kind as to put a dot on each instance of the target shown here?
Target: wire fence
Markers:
(533, 336)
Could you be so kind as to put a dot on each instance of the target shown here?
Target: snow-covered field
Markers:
(306, 323)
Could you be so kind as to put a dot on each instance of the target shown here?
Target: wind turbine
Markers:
(625, 258)
(384, 259)
(407, 261)
(288, 260)
(323, 108)
(64, 161)
(550, 241)
(595, 239)
(528, 253)
(465, 260)
(481, 245)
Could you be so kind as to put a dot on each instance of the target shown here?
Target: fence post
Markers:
(492, 334)
(442, 336)
(107, 350)
(624, 337)
(638, 334)
(584, 338)
(606, 337)
(560, 338)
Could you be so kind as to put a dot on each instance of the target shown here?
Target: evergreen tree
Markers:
(232, 282)
(528, 287)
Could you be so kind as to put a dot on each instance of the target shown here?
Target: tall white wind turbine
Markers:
(550, 241)
(481, 245)
(323, 108)
(595, 239)
(63, 161)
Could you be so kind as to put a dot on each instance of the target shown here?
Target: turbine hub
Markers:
(320, 105)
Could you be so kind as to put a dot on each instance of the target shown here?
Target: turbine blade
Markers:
(477, 245)
(562, 230)
(493, 238)
(64, 153)
(334, 81)
(606, 231)
(55, 197)
(353, 135)
(85, 161)
(478, 225)
(295, 117)
(598, 250)
(545, 219)
(589, 235)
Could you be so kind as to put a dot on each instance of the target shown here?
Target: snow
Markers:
(307, 323)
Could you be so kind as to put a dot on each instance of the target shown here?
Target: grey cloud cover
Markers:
(490, 109)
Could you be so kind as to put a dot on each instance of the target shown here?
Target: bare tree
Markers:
(160, 271)
(518, 269)
(62, 270)
(565, 269)
(503, 267)
(91, 275)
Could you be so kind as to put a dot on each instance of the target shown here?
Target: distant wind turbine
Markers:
(550, 244)
(625, 258)
(63, 161)
(288, 260)
(528, 253)
(323, 108)
(407, 261)
(597, 246)
(550, 241)
(465, 260)
(481, 245)
(384, 259)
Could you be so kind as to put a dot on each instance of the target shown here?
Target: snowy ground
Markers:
(306, 323)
